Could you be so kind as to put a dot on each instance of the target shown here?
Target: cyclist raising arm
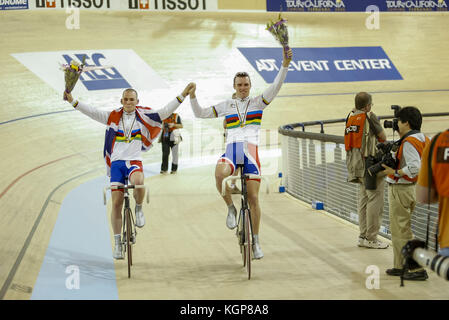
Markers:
(243, 116)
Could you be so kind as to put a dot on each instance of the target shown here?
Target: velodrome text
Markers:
(324, 65)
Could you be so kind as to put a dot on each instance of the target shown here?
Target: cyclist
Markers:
(130, 130)
(243, 117)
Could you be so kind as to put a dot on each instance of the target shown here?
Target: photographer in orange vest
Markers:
(436, 154)
(401, 186)
(363, 132)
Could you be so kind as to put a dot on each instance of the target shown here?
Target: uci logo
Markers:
(104, 79)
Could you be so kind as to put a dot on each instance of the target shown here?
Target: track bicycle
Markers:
(244, 230)
(129, 232)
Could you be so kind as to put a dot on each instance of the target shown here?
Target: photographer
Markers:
(170, 139)
(362, 134)
(401, 185)
(438, 156)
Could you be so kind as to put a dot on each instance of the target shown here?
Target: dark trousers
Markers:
(166, 147)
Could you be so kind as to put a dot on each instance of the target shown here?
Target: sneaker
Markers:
(361, 242)
(173, 172)
(118, 252)
(231, 221)
(140, 218)
(163, 172)
(375, 244)
(257, 251)
(394, 272)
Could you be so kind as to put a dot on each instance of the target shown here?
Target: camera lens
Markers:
(388, 124)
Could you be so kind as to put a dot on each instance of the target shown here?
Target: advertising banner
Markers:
(13, 4)
(355, 5)
(121, 69)
(324, 64)
(149, 5)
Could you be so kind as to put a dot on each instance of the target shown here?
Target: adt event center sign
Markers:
(324, 64)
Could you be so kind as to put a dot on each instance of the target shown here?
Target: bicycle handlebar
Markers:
(128, 186)
(249, 176)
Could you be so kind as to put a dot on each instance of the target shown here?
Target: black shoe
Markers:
(417, 276)
(173, 172)
(394, 272)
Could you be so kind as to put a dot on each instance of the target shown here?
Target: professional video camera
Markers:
(383, 156)
(416, 256)
(393, 123)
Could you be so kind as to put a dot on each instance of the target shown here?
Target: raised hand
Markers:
(68, 97)
(287, 57)
(187, 89)
(192, 90)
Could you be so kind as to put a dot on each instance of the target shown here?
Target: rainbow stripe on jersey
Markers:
(135, 135)
(252, 118)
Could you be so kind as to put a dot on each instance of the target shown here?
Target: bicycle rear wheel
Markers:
(248, 242)
(241, 237)
(128, 239)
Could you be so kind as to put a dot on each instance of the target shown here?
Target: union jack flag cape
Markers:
(152, 126)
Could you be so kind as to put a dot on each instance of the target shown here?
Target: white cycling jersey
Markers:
(243, 116)
(128, 142)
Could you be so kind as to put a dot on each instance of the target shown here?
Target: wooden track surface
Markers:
(185, 251)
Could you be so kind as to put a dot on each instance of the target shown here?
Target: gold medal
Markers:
(128, 136)
(242, 117)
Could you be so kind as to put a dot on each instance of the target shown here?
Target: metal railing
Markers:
(314, 169)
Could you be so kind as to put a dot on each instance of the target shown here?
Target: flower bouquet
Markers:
(72, 73)
(280, 32)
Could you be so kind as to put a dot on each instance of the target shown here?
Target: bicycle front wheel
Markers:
(128, 239)
(248, 242)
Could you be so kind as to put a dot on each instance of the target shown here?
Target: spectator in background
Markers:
(401, 187)
(438, 189)
(363, 132)
(170, 139)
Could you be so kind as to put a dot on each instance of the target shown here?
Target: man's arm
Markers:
(412, 160)
(422, 194)
(166, 111)
(271, 92)
(93, 113)
(377, 129)
(422, 186)
(198, 111)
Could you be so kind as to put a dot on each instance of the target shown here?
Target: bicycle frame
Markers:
(128, 224)
(244, 226)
